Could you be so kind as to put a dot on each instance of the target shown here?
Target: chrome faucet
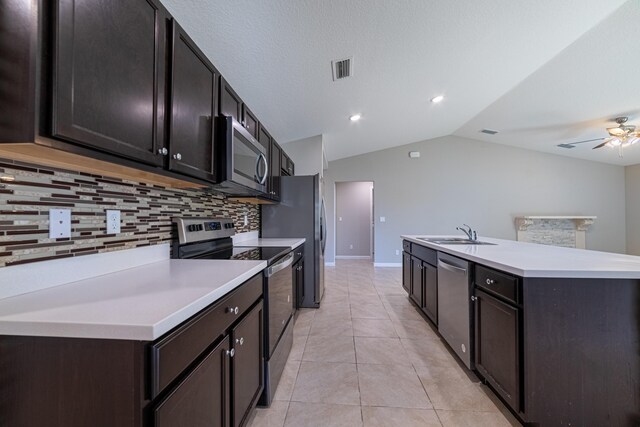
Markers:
(471, 233)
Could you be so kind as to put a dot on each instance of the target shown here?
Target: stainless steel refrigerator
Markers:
(301, 213)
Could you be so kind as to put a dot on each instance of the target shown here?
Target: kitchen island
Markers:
(554, 331)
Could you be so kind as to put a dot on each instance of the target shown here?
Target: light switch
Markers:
(113, 222)
(383, 219)
(59, 223)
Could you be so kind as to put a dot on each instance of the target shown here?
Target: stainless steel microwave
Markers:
(242, 161)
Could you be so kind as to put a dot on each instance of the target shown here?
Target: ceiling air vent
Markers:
(489, 131)
(342, 68)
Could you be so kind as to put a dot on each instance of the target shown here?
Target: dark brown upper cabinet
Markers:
(230, 102)
(109, 76)
(193, 88)
(264, 138)
(250, 121)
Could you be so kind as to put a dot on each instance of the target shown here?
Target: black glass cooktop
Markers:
(269, 254)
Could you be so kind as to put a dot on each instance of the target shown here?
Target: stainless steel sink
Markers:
(453, 241)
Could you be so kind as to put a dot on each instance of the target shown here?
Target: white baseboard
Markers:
(330, 264)
(353, 257)
(387, 264)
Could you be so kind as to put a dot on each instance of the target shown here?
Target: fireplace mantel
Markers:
(551, 229)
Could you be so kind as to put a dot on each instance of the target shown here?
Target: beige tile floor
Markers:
(367, 358)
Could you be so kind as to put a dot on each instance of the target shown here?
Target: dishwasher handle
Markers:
(451, 268)
(280, 265)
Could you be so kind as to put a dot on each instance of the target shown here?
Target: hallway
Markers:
(367, 358)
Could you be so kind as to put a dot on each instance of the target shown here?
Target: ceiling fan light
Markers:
(617, 131)
(633, 140)
(614, 142)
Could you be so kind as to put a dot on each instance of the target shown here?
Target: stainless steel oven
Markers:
(241, 160)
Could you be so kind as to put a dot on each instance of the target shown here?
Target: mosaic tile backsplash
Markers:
(145, 210)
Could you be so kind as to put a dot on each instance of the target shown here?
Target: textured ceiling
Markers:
(277, 55)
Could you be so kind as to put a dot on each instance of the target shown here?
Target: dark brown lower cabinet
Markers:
(247, 364)
(202, 398)
(406, 271)
(206, 372)
(498, 346)
(416, 281)
(430, 291)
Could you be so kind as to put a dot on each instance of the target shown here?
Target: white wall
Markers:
(632, 188)
(353, 206)
(307, 154)
(485, 185)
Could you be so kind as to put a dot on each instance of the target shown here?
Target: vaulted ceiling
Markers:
(542, 73)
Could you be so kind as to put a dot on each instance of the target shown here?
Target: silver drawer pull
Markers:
(231, 352)
(233, 310)
(490, 282)
(240, 340)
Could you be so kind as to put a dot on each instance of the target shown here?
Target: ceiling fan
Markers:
(619, 137)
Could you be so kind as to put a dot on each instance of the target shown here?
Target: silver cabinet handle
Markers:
(231, 352)
(473, 298)
(163, 151)
(490, 281)
(177, 156)
(232, 310)
(299, 253)
(240, 340)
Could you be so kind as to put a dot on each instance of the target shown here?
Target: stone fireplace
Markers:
(566, 231)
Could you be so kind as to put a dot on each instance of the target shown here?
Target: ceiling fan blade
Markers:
(586, 140)
(601, 145)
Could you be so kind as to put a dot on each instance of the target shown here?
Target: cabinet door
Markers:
(250, 121)
(230, 102)
(109, 76)
(498, 346)
(264, 138)
(406, 272)
(276, 158)
(193, 106)
(416, 281)
(247, 369)
(202, 398)
(430, 291)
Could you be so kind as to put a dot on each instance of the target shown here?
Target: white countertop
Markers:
(140, 303)
(272, 242)
(535, 260)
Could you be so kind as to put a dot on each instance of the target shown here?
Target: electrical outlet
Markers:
(397, 251)
(339, 218)
(350, 246)
(246, 219)
(113, 222)
(383, 219)
(59, 223)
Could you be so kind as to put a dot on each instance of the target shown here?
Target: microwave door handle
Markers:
(261, 179)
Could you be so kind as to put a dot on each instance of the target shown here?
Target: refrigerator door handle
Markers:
(323, 226)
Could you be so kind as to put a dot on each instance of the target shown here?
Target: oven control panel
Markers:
(199, 229)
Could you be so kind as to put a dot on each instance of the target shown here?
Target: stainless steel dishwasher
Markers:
(455, 306)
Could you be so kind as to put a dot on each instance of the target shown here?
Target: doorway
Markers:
(354, 220)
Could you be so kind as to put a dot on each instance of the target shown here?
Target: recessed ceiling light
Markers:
(437, 99)
(355, 117)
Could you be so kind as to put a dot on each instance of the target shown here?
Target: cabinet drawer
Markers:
(426, 254)
(406, 246)
(499, 283)
(171, 355)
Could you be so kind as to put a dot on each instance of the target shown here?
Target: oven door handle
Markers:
(280, 265)
(261, 179)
